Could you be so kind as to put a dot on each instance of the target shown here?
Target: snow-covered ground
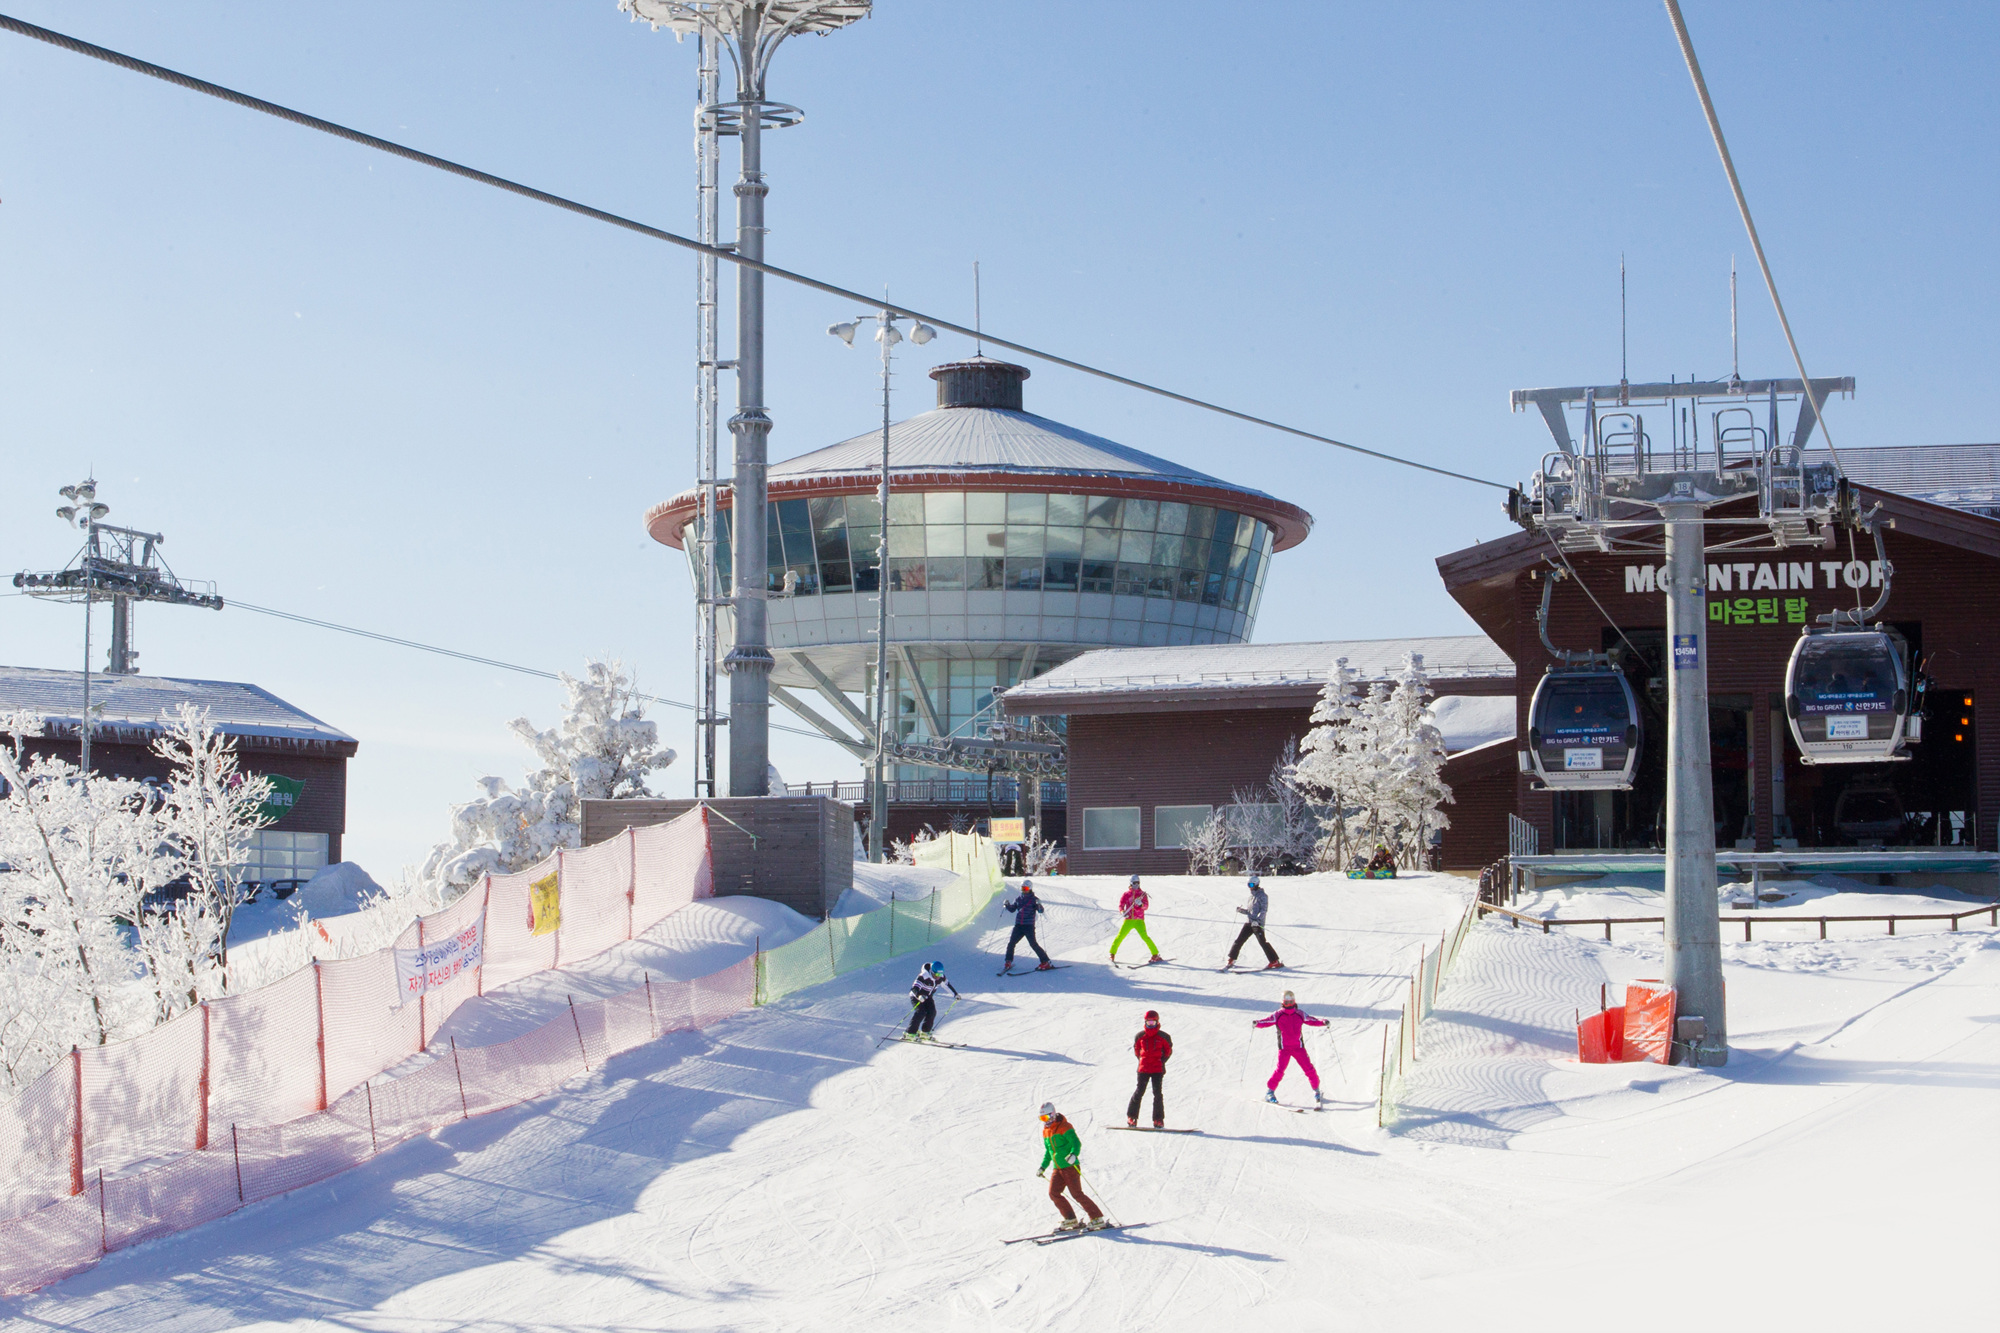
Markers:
(780, 1170)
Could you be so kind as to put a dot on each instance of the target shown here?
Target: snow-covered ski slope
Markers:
(778, 1171)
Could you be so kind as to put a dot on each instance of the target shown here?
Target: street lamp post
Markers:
(888, 335)
(83, 511)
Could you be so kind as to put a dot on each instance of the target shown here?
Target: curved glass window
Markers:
(987, 541)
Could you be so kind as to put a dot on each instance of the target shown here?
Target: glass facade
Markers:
(969, 541)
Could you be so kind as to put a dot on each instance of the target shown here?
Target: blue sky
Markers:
(356, 389)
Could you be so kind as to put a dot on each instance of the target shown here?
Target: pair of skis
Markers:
(1134, 967)
(1051, 1237)
(914, 1041)
(1052, 967)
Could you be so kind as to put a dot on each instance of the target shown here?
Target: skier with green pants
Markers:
(1133, 908)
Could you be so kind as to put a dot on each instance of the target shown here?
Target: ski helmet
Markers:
(937, 968)
(1289, 1000)
(1048, 1111)
(1152, 1018)
(1253, 881)
(1133, 880)
(1027, 884)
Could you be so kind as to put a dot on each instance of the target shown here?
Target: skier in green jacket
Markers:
(1061, 1149)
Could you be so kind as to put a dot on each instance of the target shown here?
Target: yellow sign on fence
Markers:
(545, 904)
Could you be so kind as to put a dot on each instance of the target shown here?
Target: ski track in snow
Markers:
(780, 1171)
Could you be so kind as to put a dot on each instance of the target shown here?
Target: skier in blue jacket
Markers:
(923, 1000)
(1024, 908)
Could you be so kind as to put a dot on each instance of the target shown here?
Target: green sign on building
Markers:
(284, 797)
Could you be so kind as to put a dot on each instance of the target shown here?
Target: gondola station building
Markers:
(1941, 527)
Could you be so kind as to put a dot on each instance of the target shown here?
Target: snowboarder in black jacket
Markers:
(1024, 909)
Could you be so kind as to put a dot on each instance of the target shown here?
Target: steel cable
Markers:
(311, 122)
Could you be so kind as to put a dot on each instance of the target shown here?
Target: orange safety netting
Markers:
(252, 1095)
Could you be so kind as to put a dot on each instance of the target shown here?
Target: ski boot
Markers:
(1228, 964)
(1319, 1098)
(1069, 1224)
(1273, 967)
(1045, 967)
(1156, 959)
(1159, 1124)
(1097, 1224)
(1271, 1095)
(1131, 1122)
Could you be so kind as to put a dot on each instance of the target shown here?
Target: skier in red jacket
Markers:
(1154, 1048)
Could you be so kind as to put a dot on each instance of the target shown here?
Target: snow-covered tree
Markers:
(1414, 756)
(1326, 767)
(602, 749)
(210, 812)
(76, 858)
(1208, 843)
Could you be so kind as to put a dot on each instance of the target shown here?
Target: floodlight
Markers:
(922, 333)
(87, 491)
(843, 331)
(67, 492)
(66, 513)
(888, 334)
(99, 511)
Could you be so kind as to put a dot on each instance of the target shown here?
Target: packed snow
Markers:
(784, 1170)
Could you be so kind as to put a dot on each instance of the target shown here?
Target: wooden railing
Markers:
(1748, 920)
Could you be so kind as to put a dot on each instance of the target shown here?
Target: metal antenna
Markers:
(1734, 363)
(978, 345)
(1623, 382)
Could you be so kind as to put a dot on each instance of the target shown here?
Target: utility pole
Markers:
(1693, 926)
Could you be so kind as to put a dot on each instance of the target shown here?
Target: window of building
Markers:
(1111, 828)
(1099, 544)
(1254, 825)
(1177, 825)
(275, 855)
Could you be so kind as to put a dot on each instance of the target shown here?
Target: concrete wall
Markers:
(795, 850)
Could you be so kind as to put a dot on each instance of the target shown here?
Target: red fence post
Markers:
(319, 1007)
(103, 1222)
(76, 1122)
(557, 961)
(201, 1113)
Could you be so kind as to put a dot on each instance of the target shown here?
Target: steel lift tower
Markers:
(1617, 488)
(749, 33)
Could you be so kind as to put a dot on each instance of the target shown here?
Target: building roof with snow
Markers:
(133, 709)
(1253, 675)
(979, 437)
(1957, 476)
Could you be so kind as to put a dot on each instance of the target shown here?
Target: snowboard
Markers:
(1153, 1129)
(1053, 967)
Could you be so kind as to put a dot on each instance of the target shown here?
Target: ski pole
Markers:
(1097, 1199)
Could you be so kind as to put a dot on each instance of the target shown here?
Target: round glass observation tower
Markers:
(1015, 543)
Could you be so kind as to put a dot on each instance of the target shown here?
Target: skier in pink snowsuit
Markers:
(1291, 1022)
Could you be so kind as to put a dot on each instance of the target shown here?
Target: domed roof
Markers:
(991, 439)
(980, 438)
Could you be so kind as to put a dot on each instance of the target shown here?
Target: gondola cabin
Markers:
(1583, 730)
(1848, 695)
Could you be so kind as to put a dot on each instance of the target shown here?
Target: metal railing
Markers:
(1991, 912)
(934, 791)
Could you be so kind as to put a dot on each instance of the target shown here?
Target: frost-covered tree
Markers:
(1414, 789)
(210, 811)
(603, 748)
(1327, 767)
(76, 858)
(1208, 843)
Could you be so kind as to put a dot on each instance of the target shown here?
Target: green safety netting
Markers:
(847, 944)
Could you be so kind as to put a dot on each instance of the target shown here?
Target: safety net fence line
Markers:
(1399, 1039)
(243, 1163)
(847, 944)
(267, 1076)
